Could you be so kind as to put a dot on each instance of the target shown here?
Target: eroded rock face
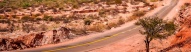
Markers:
(34, 39)
(183, 37)
(21, 42)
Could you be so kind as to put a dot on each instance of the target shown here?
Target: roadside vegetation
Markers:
(36, 15)
(136, 15)
(155, 28)
(15, 4)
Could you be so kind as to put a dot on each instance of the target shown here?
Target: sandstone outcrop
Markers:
(34, 39)
(182, 38)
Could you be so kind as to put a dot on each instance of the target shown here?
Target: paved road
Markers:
(107, 38)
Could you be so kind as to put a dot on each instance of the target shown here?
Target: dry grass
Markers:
(132, 18)
(139, 13)
(98, 27)
(136, 15)
(51, 3)
(112, 24)
(153, 0)
(121, 21)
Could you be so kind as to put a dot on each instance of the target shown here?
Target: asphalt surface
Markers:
(106, 38)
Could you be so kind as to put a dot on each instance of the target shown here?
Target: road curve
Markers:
(104, 40)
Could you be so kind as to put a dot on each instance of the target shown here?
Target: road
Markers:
(106, 38)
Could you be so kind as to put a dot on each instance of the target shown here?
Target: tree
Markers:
(155, 28)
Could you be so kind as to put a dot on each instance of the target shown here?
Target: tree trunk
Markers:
(147, 42)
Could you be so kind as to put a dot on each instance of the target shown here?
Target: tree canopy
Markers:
(155, 28)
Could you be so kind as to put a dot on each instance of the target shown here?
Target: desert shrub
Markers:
(1, 11)
(2, 17)
(113, 1)
(43, 27)
(4, 21)
(139, 13)
(98, 27)
(78, 31)
(153, 7)
(112, 24)
(48, 3)
(14, 16)
(38, 19)
(146, 4)
(38, 0)
(102, 12)
(183, 7)
(26, 4)
(57, 22)
(153, 0)
(3, 29)
(2, 4)
(27, 27)
(66, 20)
(136, 15)
(47, 18)
(36, 15)
(58, 19)
(187, 4)
(11, 26)
(75, 5)
(27, 18)
(132, 18)
(87, 21)
(121, 21)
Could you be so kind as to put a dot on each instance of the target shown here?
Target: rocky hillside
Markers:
(34, 39)
(182, 39)
(44, 23)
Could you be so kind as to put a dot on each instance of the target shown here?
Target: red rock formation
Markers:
(182, 36)
(182, 39)
(32, 40)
